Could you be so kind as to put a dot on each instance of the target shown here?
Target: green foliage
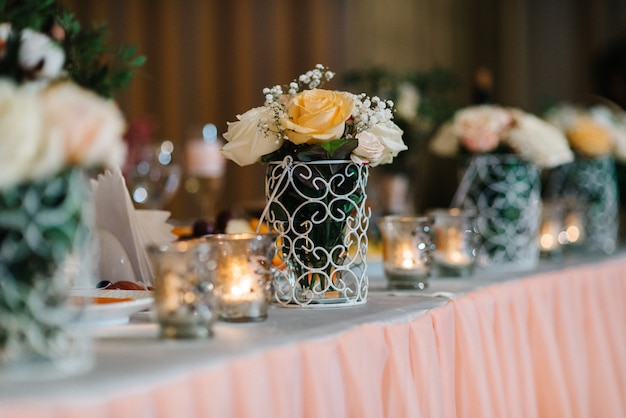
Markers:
(35, 14)
(305, 196)
(436, 104)
(338, 149)
(89, 60)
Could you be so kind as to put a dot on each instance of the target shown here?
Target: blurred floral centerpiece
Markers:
(492, 129)
(319, 145)
(52, 130)
(592, 131)
(501, 183)
(597, 135)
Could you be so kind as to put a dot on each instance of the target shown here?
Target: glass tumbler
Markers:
(406, 251)
(184, 288)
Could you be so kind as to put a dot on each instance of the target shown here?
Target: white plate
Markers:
(114, 313)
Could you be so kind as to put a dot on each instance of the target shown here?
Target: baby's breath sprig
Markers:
(369, 111)
(312, 79)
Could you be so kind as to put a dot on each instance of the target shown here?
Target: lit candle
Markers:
(574, 232)
(242, 290)
(549, 236)
(408, 260)
(551, 231)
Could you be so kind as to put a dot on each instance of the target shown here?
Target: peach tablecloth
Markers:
(550, 345)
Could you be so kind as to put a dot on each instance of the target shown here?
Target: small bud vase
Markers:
(318, 210)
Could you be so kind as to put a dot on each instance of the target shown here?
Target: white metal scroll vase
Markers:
(318, 210)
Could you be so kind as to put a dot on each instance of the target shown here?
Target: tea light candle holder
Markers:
(406, 251)
(183, 289)
(242, 273)
(455, 240)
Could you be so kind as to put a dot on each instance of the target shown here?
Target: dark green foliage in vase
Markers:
(315, 206)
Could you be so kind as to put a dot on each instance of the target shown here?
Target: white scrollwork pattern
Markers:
(318, 210)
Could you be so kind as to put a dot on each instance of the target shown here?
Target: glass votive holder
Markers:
(456, 240)
(242, 273)
(406, 251)
(552, 233)
(183, 289)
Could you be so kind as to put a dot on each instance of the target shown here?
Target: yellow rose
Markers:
(317, 115)
(589, 139)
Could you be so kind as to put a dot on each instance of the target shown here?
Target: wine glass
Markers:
(154, 177)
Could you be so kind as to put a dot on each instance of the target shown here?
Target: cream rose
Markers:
(317, 115)
(247, 142)
(389, 135)
(370, 149)
(90, 127)
(25, 152)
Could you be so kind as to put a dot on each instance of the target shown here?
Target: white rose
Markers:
(90, 126)
(390, 136)
(247, 142)
(538, 141)
(370, 149)
(39, 55)
(25, 152)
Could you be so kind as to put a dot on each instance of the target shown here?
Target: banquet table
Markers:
(546, 343)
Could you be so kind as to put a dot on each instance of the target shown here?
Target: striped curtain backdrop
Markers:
(208, 60)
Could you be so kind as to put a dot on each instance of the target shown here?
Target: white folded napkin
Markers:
(134, 230)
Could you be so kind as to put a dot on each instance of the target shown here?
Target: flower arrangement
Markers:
(40, 40)
(497, 129)
(46, 130)
(56, 122)
(319, 145)
(308, 123)
(50, 121)
(592, 131)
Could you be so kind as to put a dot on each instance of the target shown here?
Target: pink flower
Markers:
(481, 128)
